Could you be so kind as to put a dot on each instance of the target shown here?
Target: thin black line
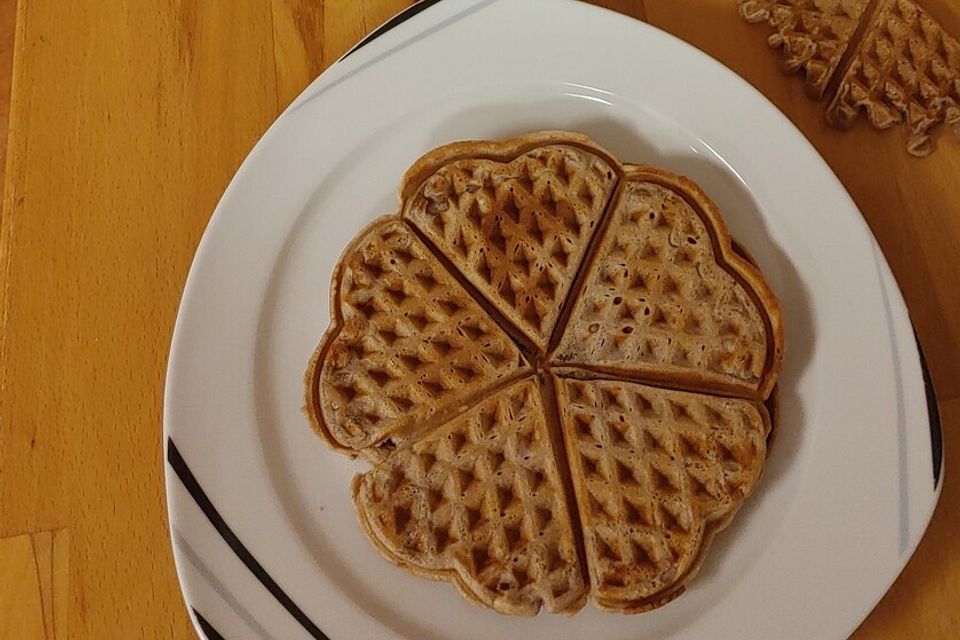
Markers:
(395, 21)
(933, 412)
(214, 582)
(207, 628)
(200, 497)
(480, 4)
(903, 480)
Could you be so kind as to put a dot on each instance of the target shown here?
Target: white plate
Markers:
(266, 541)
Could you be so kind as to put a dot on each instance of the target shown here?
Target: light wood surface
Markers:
(34, 586)
(127, 120)
(8, 20)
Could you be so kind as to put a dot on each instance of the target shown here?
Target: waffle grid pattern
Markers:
(517, 231)
(894, 63)
(412, 341)
(812, 34)
(907, 70)
(656, 300)
(484, 444)
(483, 496)
(651, 468)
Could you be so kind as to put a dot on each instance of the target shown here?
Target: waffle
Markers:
(667, 298)
(407, 345)
(481, 502)
(656, 473)
(907, 70)
(536, 458)
(514, 220)
(813, 34)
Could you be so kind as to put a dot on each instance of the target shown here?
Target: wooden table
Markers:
(127, 120)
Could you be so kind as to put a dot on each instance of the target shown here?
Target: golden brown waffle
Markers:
(514, 220)
(907, 70)
(458, 393)
(813, 34)
(408, 344)
(667, 298)
(656, 474)
(481, 502)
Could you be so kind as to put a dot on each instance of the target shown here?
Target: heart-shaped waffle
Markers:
(813, 34)
(408, 344)
(518, 229)
(656, 473)
(665, 299)
(558, 365)
(481, 500)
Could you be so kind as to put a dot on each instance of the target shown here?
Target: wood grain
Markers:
(20, 591)
(34, 595)
(8, 20)
(128, 118)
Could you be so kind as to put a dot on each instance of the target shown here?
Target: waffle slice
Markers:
(813, 34)
(407, 345)
(907, 70)
(514, 219)
(481, 502)
(656, 474)
(667, 298)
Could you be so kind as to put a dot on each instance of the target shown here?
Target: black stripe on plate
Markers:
(933, 411)
(207, 628)
(200, 497)
(395, 21)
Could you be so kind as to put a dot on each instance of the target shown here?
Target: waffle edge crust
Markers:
(558, 366)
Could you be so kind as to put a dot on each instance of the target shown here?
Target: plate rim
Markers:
(311, 91)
